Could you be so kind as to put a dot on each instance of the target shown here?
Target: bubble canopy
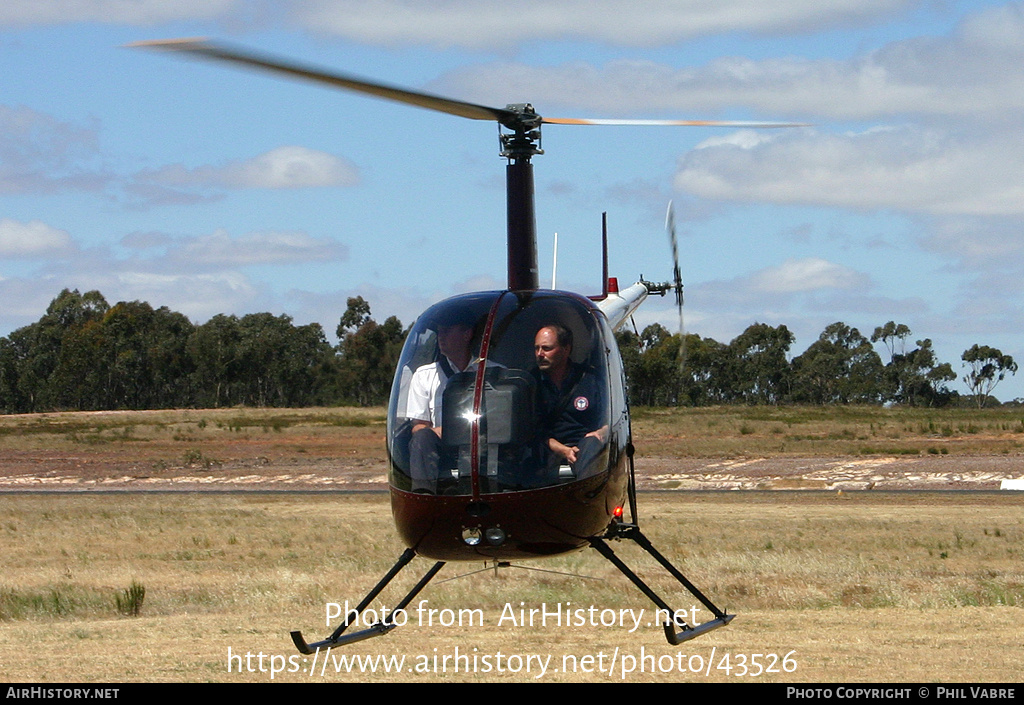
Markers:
(472, 413)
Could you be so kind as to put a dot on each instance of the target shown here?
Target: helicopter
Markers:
(488, 483)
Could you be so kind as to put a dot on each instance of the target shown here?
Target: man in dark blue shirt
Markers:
(570, 403)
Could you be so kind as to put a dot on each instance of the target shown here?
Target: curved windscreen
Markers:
(500, 391)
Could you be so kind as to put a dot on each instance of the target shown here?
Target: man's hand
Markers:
(569, 453)
(420, 425)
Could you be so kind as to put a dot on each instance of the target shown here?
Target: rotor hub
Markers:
(523, 140)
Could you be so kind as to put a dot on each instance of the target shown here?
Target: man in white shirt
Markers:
(424, 405)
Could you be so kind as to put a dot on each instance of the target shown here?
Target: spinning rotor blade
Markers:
(677, 277)
(511, 119)
(210, 50)
(677, 280)
(671, 123)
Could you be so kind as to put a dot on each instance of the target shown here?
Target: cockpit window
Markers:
(500, 391)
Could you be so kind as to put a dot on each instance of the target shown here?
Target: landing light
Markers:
(471, 536)
(495, 536)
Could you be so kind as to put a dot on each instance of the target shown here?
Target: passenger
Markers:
(426, 451)
(570, 405)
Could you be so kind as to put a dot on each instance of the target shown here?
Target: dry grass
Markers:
(854, 587)
(166, 437)
(169, 432)
(730, 431)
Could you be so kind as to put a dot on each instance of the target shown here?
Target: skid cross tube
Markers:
(633, 533)
(339, 638)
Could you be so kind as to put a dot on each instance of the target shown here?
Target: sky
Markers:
(212, 189)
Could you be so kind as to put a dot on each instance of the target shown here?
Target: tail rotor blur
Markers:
(677, 281)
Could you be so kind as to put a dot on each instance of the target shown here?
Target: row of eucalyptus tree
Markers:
(85, 354)
(841, 367)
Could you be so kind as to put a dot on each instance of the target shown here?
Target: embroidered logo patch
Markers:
(581, 403)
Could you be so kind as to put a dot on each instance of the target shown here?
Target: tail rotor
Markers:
(677, 281)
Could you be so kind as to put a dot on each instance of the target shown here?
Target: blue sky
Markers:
(210, 189)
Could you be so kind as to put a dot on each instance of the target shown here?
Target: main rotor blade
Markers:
(210, 50)
(673, 123)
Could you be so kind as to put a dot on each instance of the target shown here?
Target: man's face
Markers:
(454, 340)
(550, 355)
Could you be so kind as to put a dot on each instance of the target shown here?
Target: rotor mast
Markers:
(518, 146)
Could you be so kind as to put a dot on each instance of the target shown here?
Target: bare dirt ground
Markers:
(926, 472)
(277, 450)
(253, 466)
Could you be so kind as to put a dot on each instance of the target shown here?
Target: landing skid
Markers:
(599, 543)
(632, 532)
(379, 628)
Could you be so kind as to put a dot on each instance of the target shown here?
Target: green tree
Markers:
(988, 366)
(79, 378)
(921, 378)
(31, 355)
(652, 364)
(279, 364)
(915, 377)
(368, 354)
(756, 369)
(357, 313)
(703, 369)
(153, 358)
(14, 398)
(891, 335)
(304, 373)
(135, 357)
(214, 350)
(841, 366)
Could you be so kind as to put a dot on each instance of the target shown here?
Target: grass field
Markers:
(852, 587)
(169, 437)
(833, 430)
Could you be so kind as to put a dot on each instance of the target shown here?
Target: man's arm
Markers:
(421, 393)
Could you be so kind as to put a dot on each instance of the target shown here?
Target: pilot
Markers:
(569, 403)
(454, 334)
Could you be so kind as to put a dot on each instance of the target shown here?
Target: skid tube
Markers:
(379, 628)
(632, 532)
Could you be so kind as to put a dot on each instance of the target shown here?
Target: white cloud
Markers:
(745, 139)
(32, 239)
(486, 25)
(998, 28)
(222, 250)
(979, 243)
(291, 167)
(281, 168)
(972, 72)
(907, 169)
(796, 275)
(41, 154)
(198, 296)
(771, 291)
(128, 12)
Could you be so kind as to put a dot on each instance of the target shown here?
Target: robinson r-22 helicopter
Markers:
(490, 488)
